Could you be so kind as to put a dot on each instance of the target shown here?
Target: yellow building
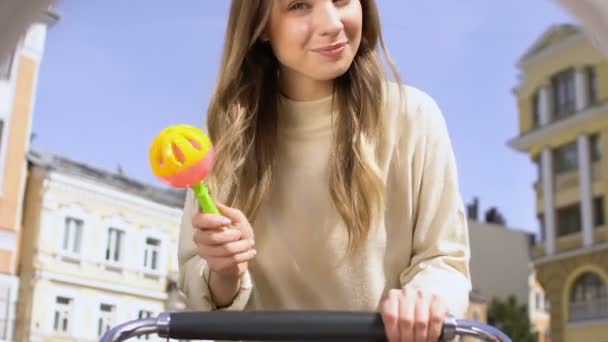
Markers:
(563, 127)
(18, 75)
(98, 249)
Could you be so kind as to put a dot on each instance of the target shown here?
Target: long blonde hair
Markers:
(242, 120)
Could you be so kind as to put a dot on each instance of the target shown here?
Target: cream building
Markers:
(98, 249)
(501, 266)
(19, 69)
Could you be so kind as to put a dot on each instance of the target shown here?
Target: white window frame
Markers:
(138, 306)
(149, 252)
(72, 235)
(7, 66)
(117, 302)
(150, 313)
(73, 211)
(77, 319)
(119, 224)
(157, 234)
(139, 316)
(109, 320)
(70, 315)
(114, 253)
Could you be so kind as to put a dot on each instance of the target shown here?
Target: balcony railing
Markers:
(589, 310)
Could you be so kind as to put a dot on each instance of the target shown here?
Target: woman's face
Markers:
(314, 40)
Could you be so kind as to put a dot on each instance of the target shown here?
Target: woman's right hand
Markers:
(224, 241)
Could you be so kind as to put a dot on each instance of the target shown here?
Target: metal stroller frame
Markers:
(283, 326)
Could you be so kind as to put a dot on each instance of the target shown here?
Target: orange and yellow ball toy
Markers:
(182, 156)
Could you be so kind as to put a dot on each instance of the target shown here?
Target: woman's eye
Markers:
(298, 6)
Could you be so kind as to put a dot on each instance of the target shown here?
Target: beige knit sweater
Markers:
(422, 239)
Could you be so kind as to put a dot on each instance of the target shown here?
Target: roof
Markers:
(555, 33)
(476, 296)
(163, 195)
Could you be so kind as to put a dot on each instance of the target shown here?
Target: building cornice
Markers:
(106, 194)
(99, 285)
(570, 254)
(525, 142)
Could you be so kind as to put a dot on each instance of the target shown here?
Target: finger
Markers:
(228, 249)
(421, 316)
(390, 315)
(437, 314)
(214, 237)
(225, 263)
(239, 219)
(210, 221)
(232, 213)
(407, 306)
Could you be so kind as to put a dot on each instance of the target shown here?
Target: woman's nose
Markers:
(329, 19)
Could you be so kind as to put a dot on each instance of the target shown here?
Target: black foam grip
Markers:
(277, 326)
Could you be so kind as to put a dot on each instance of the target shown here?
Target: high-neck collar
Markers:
(306, 115)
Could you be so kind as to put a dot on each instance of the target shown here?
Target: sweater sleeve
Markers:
(593, 16)
(194, 272)
(440, 247)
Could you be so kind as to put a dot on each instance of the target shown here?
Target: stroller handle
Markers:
(283, 326)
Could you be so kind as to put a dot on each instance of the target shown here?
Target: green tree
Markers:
(512, 318)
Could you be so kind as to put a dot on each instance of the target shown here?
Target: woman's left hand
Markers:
(413, 315)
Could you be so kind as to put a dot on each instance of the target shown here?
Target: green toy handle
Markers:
(205, 201)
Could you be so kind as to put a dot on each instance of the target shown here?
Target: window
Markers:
(598, 211)
(596, 147)
(144, 314)
(539, 301)
(589, 298)
(563, 93)
(566, 158)
(63, 310)
(114, 246)
(6, 305)
(569, 220)
(536, 110)
(106, 318)
(6, 66)
(152, 254)
(1, 136)
(72, 235)
(592, 86)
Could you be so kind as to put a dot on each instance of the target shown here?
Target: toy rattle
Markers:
(182, 156)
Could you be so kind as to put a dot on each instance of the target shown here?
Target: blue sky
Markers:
(117, 72)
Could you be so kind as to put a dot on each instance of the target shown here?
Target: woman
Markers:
(593, 16)
(347, 197)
